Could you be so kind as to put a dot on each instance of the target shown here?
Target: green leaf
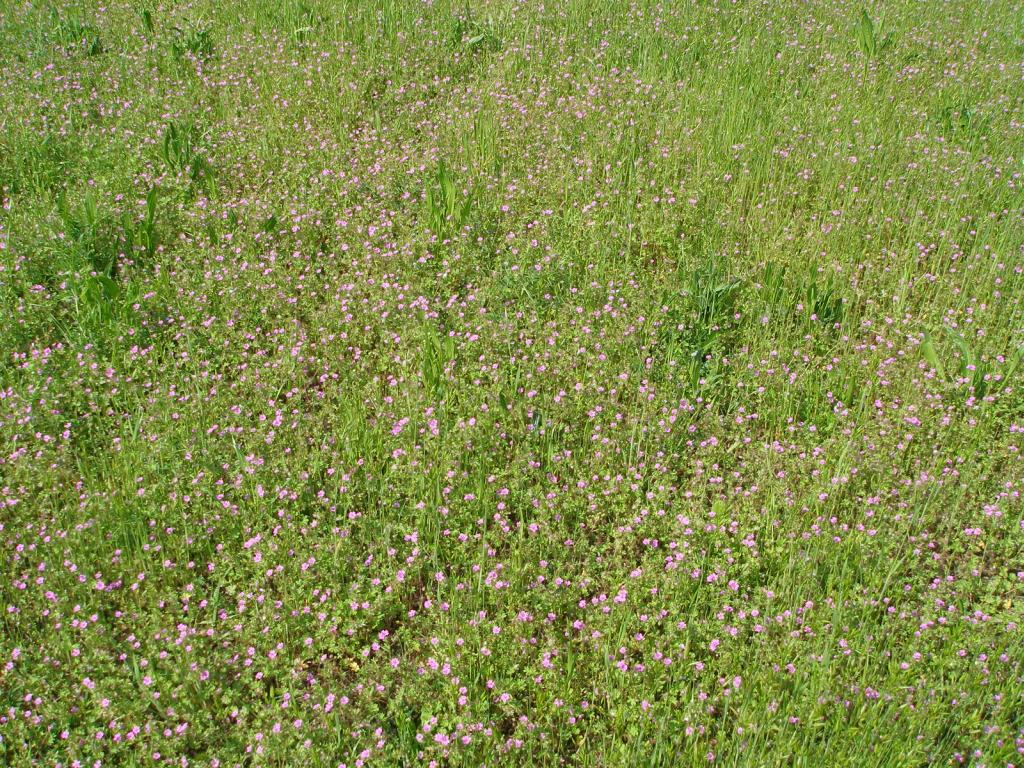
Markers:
(1018, 356)
(931, 356)
(151, 205)
(966, 356)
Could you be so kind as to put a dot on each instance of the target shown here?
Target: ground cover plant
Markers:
(432, 382)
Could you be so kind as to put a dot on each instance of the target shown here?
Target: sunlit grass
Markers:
(507, 383)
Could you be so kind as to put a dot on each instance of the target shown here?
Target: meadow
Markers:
(511, 383)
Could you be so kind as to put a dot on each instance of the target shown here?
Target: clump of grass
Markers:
(483, 144)
(976, 374)
(822, 301)
(72, 34)
(871, 40)
(193, 40)
(90, 235)
(448, 207)
(180, 150)
(29, 164)
(961, 121)
(148, 23)
(143, 233)
(302, 19)
(474, 33)
(390, 20)
(95, 298)
(438, 352)
(698, 328)
(95, 246)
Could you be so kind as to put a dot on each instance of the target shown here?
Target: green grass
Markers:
(498, 383)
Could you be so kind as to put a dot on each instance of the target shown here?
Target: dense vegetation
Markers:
(511, 383)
